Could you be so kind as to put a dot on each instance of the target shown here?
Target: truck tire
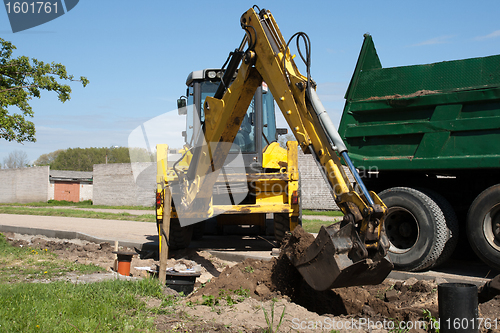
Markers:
(416, 227)
(483, 226)
(452, 232)
(179, 237)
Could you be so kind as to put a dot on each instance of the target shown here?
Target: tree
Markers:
(83, 159)
(47, 159)
(21, 79)
(16, 159)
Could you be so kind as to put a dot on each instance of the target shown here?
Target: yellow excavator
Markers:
(352, 252)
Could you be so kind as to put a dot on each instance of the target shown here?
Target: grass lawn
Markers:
(43, 208)
(322, 212)
(110, 306)
(68, 212)
(81, 204)
(313, 226)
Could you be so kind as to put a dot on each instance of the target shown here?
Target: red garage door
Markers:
(67, 191)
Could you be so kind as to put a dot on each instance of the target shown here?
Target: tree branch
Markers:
(22, 87)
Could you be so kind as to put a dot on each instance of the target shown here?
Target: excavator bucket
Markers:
(336, 258)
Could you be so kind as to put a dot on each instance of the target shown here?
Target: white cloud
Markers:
(435, 40)
(494, 34)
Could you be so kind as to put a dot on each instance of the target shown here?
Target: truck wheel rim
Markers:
(491, 227)
(402, 229)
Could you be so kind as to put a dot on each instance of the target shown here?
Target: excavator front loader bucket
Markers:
(336, 258)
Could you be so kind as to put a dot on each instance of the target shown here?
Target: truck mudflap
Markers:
(337, 258)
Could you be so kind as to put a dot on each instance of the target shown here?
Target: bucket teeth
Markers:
(337, 258)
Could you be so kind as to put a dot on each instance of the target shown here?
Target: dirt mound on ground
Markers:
(265, 280)
(297, 242)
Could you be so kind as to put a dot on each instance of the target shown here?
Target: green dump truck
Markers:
(427, 139)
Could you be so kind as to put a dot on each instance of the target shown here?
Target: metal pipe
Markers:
(330, 129)
(355, 173)
(337, 141)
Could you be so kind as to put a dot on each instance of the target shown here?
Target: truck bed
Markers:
(442, 116)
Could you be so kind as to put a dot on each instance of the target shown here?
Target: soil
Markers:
(396, 96)
(235, 297)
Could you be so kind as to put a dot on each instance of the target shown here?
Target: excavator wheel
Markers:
(281, 226)
(282, 221)
(179, 237)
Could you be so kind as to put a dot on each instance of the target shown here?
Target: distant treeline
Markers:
(83, 159)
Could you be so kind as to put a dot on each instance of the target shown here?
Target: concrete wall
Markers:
(24, 185)
(315, 193)
(120, 184)
(135, 184)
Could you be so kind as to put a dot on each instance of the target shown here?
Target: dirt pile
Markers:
(277, 278)
(265, 280)
(297, 242)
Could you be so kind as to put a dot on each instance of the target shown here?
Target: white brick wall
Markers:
(120, 184)
(24, 185)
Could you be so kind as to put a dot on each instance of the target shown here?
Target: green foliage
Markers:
(68, 212)
(270, 319)
(85, 203)
(322, 212)
(209, 300)
(83, 159)
(81, 204)
(248, 269)
(22, 79)
(47, 159)
(433, 322)
(226, 297)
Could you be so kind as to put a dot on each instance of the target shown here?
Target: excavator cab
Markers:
(257, 189)
(258, 119)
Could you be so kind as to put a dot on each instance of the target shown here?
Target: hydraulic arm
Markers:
(352, 253)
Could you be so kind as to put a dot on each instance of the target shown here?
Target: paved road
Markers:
(106, 210)
(230, 247)
(128, 233)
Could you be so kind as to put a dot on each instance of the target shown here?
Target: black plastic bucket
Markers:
(458, 307)
(181, 282)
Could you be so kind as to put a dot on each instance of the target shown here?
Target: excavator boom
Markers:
(353, 252)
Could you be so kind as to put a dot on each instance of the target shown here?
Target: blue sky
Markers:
(137, 54)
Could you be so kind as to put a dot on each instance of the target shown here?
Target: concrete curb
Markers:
(432, 275)
(238, 256)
